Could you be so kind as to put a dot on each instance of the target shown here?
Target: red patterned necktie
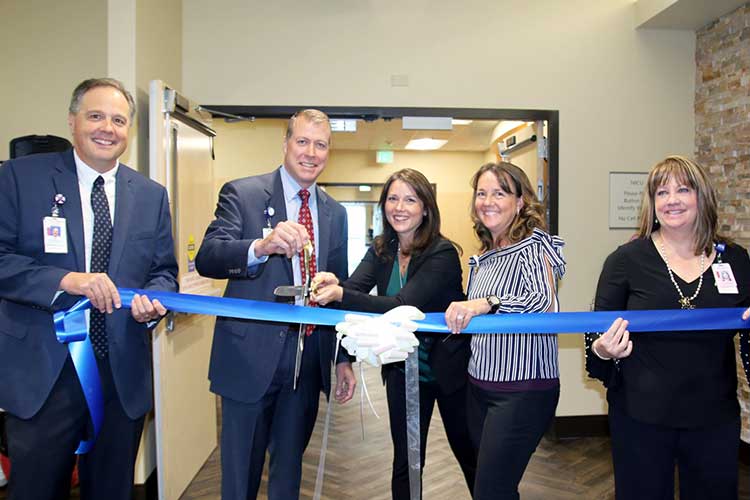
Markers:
(305, 218)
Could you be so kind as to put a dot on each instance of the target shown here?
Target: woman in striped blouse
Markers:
(514, 379)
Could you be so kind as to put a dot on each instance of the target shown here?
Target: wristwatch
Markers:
(494, 303)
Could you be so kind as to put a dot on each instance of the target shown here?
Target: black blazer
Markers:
(434, 281)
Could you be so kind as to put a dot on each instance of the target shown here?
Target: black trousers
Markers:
(645, 455)
(282, 421)
(41, 449)
(507, 427)
(453, 412)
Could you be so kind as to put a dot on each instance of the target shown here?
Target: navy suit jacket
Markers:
(142, 256)
(245, 353)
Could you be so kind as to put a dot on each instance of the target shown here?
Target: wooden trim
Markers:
(744, 452)
(148, 490)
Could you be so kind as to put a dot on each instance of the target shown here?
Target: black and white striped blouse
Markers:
(518, 275)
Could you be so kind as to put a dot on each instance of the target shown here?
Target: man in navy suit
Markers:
(41, 272)
(255, 241)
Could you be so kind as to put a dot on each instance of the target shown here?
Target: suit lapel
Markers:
(276, 199)
(66, 183)
(324, 229)
(123, 202)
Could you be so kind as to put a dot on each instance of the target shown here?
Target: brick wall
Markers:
(722, 132)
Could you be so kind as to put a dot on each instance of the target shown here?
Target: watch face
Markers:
(494, 303)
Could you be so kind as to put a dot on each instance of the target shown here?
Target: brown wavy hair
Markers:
(513, 180)
(688, 172)
(427, 232)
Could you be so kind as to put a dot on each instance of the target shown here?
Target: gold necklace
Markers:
(685, 302)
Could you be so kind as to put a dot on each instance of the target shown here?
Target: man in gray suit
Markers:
(262, 224)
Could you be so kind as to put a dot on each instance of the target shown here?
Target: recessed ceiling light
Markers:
(426, 144)
(457, 121)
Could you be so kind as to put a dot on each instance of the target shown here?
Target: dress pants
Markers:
(507, 427)
(41, 449)
(282, 421)
(453, 412)
(644, 457)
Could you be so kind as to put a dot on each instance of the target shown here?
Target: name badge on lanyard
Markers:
(55, 235)
(55, 228)
(724, 278)
(268, 212)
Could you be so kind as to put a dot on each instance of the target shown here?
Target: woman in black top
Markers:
(411, 263)
(673, 395)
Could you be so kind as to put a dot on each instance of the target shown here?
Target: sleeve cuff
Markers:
(252, 260)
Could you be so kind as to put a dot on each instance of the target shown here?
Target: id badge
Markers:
(266, 232)
(55, 235)
(724, 278)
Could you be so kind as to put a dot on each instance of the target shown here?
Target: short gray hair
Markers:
(91, 83)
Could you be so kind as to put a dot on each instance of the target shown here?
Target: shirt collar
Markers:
(88, 175)
(291, 187)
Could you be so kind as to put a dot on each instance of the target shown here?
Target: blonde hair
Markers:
(311, 115)
(689, 173)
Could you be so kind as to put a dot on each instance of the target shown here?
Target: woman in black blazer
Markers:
(411, 263)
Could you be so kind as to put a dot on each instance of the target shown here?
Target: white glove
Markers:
(379, 340)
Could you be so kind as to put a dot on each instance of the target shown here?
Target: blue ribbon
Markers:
(71, 327)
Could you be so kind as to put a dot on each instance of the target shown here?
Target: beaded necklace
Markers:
(685, 302)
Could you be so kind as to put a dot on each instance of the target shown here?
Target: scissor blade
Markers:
(289, 291)
(298, 356)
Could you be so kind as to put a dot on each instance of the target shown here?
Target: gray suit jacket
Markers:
(245, 353)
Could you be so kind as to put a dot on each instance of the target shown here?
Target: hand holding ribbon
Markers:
(364, 338)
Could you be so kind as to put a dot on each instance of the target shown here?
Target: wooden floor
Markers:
(356, 468)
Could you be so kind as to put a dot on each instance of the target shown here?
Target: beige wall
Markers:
(48, 47)
(246, 148)
(158, 42)
(625, 97)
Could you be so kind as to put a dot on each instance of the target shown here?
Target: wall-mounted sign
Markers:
(625, 195)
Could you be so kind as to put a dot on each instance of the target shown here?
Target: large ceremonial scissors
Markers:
(301, 292)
